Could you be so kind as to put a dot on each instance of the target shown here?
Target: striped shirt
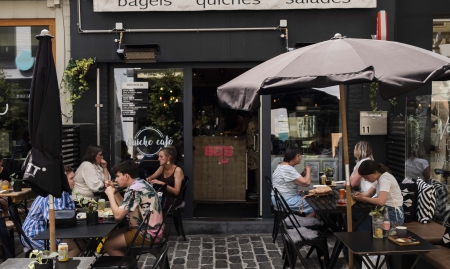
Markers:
(36, 221)
(283, 179)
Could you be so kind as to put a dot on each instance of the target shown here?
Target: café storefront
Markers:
(146, 105)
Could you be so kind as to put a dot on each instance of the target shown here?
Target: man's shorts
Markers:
(129, 235)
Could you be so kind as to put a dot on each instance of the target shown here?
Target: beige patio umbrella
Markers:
(397, 67)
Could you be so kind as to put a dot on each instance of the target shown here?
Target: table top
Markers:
(14, 194)
(80, 231)
(363, 243)
(73, 263)
(327, 204)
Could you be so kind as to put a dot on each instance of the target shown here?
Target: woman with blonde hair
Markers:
(362, 152)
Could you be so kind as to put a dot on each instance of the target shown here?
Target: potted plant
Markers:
(76, 76)
(91, 207)
(377, 222)
(329, 171)
(39, 262)
(16, 182)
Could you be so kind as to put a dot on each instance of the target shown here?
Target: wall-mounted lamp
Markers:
(139, 53)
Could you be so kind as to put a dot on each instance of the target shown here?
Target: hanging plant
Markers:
(74, 81)
(373, 94)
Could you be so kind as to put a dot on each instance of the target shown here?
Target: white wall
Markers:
(39, 10)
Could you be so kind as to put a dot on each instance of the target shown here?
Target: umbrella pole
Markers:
(51, 214)
(347, 170)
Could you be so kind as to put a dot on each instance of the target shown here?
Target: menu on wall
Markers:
(135, 99)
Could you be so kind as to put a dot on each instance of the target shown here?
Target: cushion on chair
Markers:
(441, 198)
(438, 258)
(446, 238)
(426, 201)
(409, 193)
(308, 234)
(431, 232)
(112, 262)
(303, 221)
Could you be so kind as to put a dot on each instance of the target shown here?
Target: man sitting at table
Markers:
(36, 221)
(139, 199)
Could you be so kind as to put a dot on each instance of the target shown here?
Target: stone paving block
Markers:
(271, 247)
(207, 245)
(193, 257)
(220, 256)
(231, 238)
(221, 264)
(247, 255)
(259, 251)
(219, 242)
(261, 258)
(257, 244)
(177, 266)
(192, 264)
(274, 254)
(194, 250)
(220, 249)
(206, 253)
(172, 244)
(244, 241)
(246, 248)
(236, 266)
(179, 261)
(267, 239)
(249, 263)
(207, 260)
(181, 239)
(207, 267)
(195, 239)
(233, 251)
(182, 246)
(280, 262)
(235, 259)
(233, 245)
(255, 238)
(265, 266)
(195, 243)
(180, 253)
(206, 239)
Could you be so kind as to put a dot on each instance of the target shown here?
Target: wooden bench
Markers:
(433, 233)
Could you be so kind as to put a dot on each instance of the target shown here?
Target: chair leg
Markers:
(275, 227)
(180, 223)
(175, 223)
(311, 250)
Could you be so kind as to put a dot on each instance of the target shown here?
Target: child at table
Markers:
(389, 193)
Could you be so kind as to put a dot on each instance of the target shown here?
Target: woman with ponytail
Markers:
(387, 188)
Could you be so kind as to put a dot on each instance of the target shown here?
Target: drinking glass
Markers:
(377, 227)
(5, 187)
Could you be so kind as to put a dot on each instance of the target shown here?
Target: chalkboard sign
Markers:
(135, 99)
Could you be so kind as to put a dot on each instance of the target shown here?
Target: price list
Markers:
(135, 99)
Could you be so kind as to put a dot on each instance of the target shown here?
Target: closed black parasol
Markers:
(44, 169)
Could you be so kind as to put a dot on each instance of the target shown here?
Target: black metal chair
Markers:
(176, 214)
(14, 215)
(295, 240)
(275, 217)
(5, 240)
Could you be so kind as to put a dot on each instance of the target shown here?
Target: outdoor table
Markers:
(324, 206)
(363, 244)
(14, 197)
(94, 233)
(73, 263)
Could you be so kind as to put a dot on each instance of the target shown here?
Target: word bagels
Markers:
(202, 5)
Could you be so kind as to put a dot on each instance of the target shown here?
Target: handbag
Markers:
(320, 191)
(65, 218)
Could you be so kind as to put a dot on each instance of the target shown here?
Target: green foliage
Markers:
(39, 256)
(91, 206)
(377, 212)
(373, 94)
(74, 81)
(328, 171)
(14, 177)
(10, 94)
(164, 99)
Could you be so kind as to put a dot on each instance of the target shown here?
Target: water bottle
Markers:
(386, 223)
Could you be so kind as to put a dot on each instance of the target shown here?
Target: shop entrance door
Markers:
(226, 158)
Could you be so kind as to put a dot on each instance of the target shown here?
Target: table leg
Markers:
(417, 259)
(330, 223)
(78, 246)
(11, 236)
(335, 254)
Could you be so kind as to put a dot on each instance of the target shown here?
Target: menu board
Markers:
(135, 99)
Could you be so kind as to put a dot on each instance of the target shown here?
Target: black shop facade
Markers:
(158, 66)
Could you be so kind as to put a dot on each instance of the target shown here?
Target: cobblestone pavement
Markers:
(231, 251)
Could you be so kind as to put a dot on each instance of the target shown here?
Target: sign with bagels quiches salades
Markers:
(204, 5)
